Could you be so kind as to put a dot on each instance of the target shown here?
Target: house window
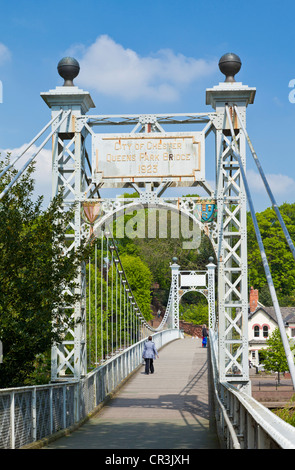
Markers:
(292, 332)
(256, 331)
(265, 332)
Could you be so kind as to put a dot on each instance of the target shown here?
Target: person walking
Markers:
(149, 354)
(204, 336)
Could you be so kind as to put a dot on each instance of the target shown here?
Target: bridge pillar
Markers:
(68, 173)
(175, 293)
(211, 294)
(231, 225)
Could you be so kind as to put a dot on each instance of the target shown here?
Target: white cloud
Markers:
(280, 185)
(4, 53)
(111, 69)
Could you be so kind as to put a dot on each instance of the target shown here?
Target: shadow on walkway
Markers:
(166, 410)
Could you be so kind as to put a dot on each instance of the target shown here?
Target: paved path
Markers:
(166, 410)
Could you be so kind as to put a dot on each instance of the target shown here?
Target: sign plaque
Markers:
(193, 280)
(121, 158)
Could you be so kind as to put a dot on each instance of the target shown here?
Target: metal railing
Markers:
(30, 414)
(242, 422)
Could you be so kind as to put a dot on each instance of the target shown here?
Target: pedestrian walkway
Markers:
(166, 410)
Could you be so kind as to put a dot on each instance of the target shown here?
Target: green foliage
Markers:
(287, 413)
(278, 253)
(157, 253)
(33, 273)
(274, 357)
(98, 314)
(140, 279)
(110, 324)
(194, 313)
(41, 373)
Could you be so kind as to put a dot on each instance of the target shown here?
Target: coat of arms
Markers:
(206, 212)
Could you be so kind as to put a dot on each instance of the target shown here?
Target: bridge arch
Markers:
(202, 292)
(110, 212)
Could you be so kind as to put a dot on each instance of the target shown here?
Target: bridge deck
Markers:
(166, 410)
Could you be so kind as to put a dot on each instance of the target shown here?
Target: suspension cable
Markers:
(30, 144)
(269, 192)
(125, 313)
(21, 171)
(273, 294)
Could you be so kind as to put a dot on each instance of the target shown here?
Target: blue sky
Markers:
(171, 51)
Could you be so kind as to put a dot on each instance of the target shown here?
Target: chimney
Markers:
(253, 299)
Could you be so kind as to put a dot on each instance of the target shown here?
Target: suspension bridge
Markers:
(98, 396)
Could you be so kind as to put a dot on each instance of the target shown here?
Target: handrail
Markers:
(282, 432)
(212, 345)
(274, 428)
(33, 413)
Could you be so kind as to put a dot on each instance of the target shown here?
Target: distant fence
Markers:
(191, 328)
(30, 414)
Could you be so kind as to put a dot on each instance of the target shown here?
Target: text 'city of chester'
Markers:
(118, 159)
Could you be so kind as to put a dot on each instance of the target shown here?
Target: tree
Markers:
(110, 322)
(157, 252)
(279, 256)
(197, 314)
(274, 357)
(140, 279)
(33, 276)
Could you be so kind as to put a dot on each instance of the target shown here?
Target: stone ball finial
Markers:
(68, 68)
(230, 64)
(174, 259)
(211, 259)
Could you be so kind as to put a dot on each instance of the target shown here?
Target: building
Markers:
(262, 322)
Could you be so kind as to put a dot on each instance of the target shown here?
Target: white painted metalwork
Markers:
(242, 422)
(175, 295)
(118, 159)
(288, 352)
(115, 322)
(231, 235)
(32, 158)
(212, 320)
(13, 162)
(31, 414)
(221, 215)
(196, 281)
(70, 162)
(72, 171)
(69, 173)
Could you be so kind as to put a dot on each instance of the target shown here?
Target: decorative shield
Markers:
(91, 212)
(206, 212)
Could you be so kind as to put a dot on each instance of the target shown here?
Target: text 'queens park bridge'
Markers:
(101, 350)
